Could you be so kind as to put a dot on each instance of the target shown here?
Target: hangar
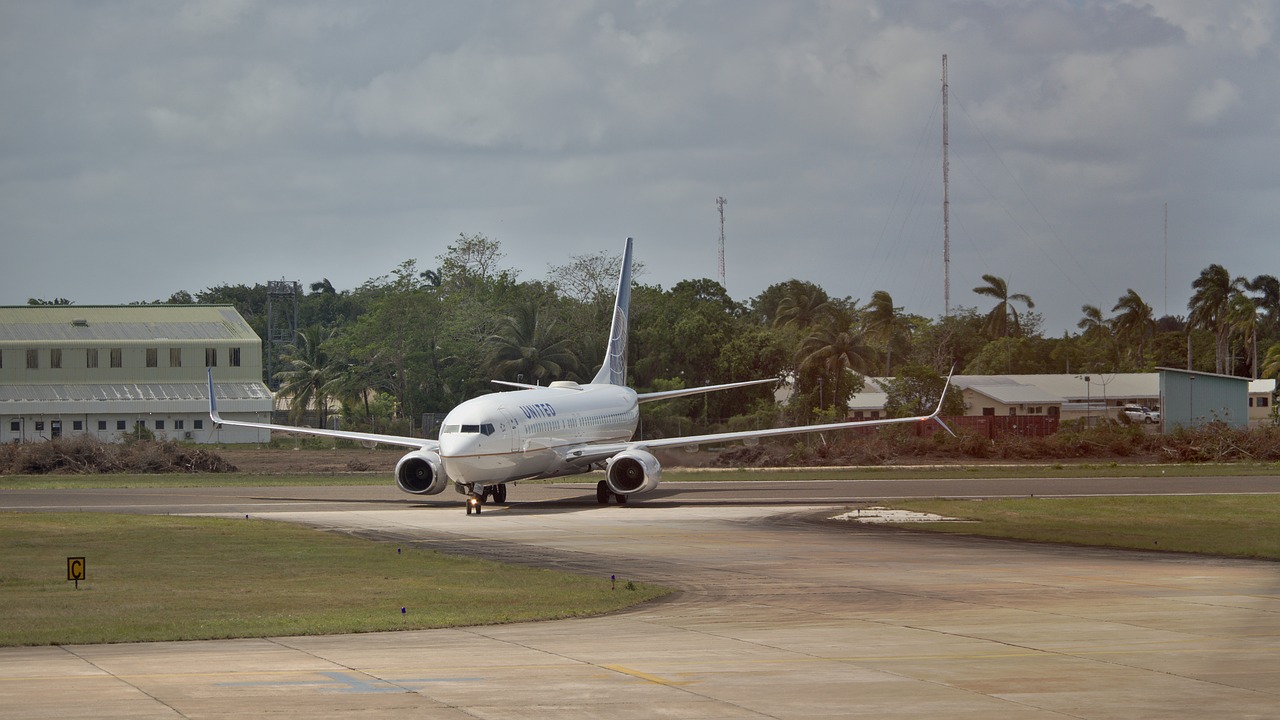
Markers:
(109, 371)
(1191, 399)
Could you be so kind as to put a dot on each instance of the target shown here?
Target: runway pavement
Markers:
(779, 615)
(818, 492)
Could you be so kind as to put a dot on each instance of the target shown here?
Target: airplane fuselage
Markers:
(523, 434)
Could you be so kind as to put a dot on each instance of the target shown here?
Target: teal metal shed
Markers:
(1191, 399)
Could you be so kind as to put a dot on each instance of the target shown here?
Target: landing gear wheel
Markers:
(622, 499)
(500, 493)
(603, 492)
(475, 503)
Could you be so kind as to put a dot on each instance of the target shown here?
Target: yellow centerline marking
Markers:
(643, 676)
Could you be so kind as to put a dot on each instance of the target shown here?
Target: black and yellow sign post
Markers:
(75, 570)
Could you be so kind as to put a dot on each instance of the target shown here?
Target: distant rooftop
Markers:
(71, 323)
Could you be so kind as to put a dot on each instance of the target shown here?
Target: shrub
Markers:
(85, 455)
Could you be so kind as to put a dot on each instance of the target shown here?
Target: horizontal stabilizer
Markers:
(668, 394)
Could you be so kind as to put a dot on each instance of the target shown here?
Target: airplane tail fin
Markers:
(614, 369)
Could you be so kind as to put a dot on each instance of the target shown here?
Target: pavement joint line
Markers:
(122, 679)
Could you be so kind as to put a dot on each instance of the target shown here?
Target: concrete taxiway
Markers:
(779, 615)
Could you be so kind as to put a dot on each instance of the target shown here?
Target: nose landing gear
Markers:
(476, 501)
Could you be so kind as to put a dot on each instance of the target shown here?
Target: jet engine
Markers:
(633, 471)
(421, 473)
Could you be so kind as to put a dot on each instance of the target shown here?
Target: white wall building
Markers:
(109, 371)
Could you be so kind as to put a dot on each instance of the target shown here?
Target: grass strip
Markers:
(1246, 526)
(169, 578)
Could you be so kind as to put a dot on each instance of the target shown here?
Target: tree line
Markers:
(421, 340)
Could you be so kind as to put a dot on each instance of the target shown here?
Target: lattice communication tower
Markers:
(282, 324)
(720, 203)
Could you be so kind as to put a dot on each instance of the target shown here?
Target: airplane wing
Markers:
(688, 440)
(399, 440)
(774, 432)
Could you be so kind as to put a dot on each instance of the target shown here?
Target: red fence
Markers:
(988, 426)
(994, 426)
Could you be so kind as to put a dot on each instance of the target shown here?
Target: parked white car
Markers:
(1141, 413)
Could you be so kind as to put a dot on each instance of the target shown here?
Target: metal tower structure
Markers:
(720, 203)
(946, 200)
(282, 323)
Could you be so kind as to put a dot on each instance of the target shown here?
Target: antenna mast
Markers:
(946, 201)
(720, 203)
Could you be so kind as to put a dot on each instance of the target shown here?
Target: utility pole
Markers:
(946, 200)
(720, 203)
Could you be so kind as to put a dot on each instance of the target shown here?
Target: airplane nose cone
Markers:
(453, 444)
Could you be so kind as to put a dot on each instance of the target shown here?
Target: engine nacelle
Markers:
(633, 471)
(422, 473)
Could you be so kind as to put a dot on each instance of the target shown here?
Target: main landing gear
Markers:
(475, 502)
(603, 494)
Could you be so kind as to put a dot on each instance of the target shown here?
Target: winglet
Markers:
(614, 369)
(937, 413)
(213, 400)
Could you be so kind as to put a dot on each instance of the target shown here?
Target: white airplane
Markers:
(550, 431)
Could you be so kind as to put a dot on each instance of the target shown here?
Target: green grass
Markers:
(1230, 525)
(167, 578)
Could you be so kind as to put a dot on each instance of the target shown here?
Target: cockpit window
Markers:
(486, 428)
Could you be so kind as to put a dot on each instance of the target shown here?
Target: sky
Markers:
(152, 147)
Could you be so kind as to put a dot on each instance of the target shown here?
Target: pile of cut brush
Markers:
(85, 455)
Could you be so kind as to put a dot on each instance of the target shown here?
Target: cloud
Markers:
(1211, 102)
(324, 138)
(262, 102)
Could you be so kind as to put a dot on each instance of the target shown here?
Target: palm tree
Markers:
(1242, 316)
(1271, 362)
(1135, 324)
(832, 350)
(998, 319)
(1099, 331)
(1209, 305)
(526, 345)
(308, 372)
(1268, 299)
(352, 383)
(1093, 324)
(886, 324)
(804, 308)
(430, 278)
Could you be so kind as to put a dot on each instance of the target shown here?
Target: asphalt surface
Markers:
(780, 614)
(821, 492)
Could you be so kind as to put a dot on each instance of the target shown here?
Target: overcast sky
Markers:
(150, 147)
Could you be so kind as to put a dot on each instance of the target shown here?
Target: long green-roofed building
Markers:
(108, 371)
